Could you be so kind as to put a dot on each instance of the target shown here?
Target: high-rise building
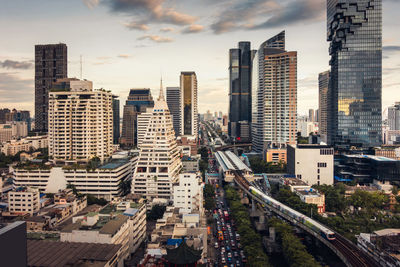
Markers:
(311, 115)
(394, 117)
(159, 163)
(240, 63)
(274, 95)
(323, 85)
(355, 88)
(50, 64)
(189, 111)
(317, 115)
(116, 120)
(80, 123)
(174, 104)
(137, 102)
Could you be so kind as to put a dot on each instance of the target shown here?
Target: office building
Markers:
(50, 64)
(189, 111)
(138, 101)
(188, 194)
(24, 200)
(312, 164)
(159, 162)
(394, 117)
(274, 95)
(174, 104)
(311, 115)
(80, 123)
(240, 68)
(116, 120)
(355, 88)
(323, 85)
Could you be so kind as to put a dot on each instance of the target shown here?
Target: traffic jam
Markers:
(228, 245)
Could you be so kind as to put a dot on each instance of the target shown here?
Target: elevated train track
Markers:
(347, 251)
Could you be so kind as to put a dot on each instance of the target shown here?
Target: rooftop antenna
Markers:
(81, 66)
(161, 97)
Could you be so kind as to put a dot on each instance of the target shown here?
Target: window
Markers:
(321, 165)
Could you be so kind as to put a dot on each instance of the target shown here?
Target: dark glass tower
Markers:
(240, 62)
(50, 65)
(116, 120)
(355, 87)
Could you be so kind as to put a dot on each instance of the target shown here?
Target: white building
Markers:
(110, 226)
(101, 182)
(13, 130)
(159, 164)
(80, 123)
(12, 147)
(312, 164)
(6, 133)
(142, 122)
(24, 200)
(40, 141)
(188, 193)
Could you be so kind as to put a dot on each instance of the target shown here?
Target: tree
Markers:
(94, 200)
(124, 187)
(156, 212)
(73, 187)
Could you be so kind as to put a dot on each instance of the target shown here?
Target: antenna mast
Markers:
(81, 66)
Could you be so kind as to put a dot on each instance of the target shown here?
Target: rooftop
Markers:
(114, 163)
(372, 157)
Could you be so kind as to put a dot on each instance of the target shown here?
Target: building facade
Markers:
(116, 120)
(394, 117)
(50, 64)
(138, 101)
(312, 164)
(188, 194)
(189, 110)
(240, 68)
(174, 104)
(159, 162)
(274, 95)
(80, 124)
(24, 200)
(355, 88)
(323, 87)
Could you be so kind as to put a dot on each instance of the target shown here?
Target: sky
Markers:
(132, 43)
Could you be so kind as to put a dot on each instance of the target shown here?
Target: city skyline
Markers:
(139, 62)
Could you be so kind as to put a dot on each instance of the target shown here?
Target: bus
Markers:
(220, 236)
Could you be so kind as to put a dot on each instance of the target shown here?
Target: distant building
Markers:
(312, 164)
(189, 109)
(24, 200)
(50, 64)
(276, 155)
(116, 120)
(188, 194)
(80, 123)
(138, 101)
(394, 117)
(392, 152)
(190, 164)
(323, 87)
(174, 99)
(312, 196)
(311, 115)
(240, 69)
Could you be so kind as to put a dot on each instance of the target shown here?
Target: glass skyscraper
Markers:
(355, 87)
(189, 111)
(240, 62)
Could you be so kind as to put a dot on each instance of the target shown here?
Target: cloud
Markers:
(124, 56)
(391, 48)
(251, 15)
(194, 28)
(156, 38)
(136, 26)
(11, 64)
(91, 3)
(167, 29)
(150, 12)
(22, 90)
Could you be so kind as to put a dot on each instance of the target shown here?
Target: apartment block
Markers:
(24, 200)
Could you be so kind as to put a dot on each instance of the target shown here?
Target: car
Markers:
(237, 237)
(216, 245)
(237, 262)
(229, 255)
(222, 249)
(229, 259)
(223, 260)
(238, 245)
(236, 254)
(228, 248)
(223, 228)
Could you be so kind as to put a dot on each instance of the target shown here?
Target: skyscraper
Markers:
(116, 120)
(174, 104)
(240, 63)
(50, 64)
(311, 115)
(80, 123)
(159, 162)
(274, 95)
(394, 117)
(323, 85)
(189, 111)
(355, 89)
(137, 102)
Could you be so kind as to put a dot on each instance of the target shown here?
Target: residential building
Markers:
(276, 155)
(188, 194)
(24, 200)
(190, 164)
(323, 87)
(189, 110)
(159, 162)
(36, 142)
(12, 147)
(115, 224)
(188, 141)
(274, 95)
(138, 101)
(7, 116)
(312, 196)
(355, 87)
(174, 99)
(310, 163)
(116, 120)
(101, 182)
(240, 68)
(394, 117)
(50, 64)
(6, 133)
(80, 123)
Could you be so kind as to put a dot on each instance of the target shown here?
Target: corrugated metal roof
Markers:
(236, 160)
